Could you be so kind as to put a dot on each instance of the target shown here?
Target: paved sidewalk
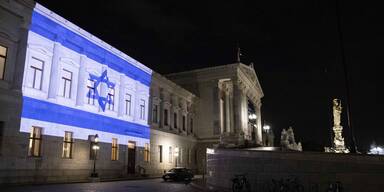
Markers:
(199, 183)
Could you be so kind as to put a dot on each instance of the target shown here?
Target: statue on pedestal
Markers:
(338, 140)
(288, 142)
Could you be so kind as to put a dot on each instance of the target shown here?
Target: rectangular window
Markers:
(160, 153)
(67, 145)
(36, 70)
(154, 113)
(166, 117)
(191, 126)
(128, 104)
(170, 155)
(184, 123)
(66, 83)
(146, 152)
(111, 98)
(34, 149)
(142, 109)
(181, 155)
(91, 95)
(3, 56)
(115, 150)
(175, 120)
(1, 135)
(190, 156)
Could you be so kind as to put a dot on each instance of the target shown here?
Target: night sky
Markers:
(294, 46)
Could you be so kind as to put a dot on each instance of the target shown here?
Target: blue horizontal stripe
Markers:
(56, 32)
(45, 111)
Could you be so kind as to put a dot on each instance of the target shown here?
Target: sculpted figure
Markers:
(336, 112)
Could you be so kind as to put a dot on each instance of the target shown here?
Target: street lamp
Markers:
(266, 128)
(95, 147)
(176, 154)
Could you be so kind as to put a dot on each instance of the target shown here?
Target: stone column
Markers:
(238, 106)
(227, 110)
(259, 130)
(54, 76)
(216, 107)
(82, 82)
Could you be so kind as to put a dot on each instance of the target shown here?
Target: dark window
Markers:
(37, 67)
(165, 116)
(66, 83)
(142, 109)
(175, 120)
(160, 153)
(111, 98)
(191, 126)
(1, 134)
(128, 104)
(154, 114)
(183, 122)
(91, 92)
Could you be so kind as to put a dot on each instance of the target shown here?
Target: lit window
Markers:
(66, 83)
(146, 152)
(111, 98)
(183, 122)
(91, 92)
(3, 56)
(67, 145)
(166, 117)
(36, 71)
(175, 120)
(128, 104)
(142, 109)
(170, 155)
(115, 150)
(160, 153)
(154, 113)
(35, 142)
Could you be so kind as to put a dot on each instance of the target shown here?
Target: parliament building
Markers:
(73, 105)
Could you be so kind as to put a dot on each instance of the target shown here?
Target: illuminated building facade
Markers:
(61, 88)
(73, 86)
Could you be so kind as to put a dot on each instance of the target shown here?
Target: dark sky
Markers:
(294, 46)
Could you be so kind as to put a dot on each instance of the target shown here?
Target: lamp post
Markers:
(266, 129)
(95, 147)
(252, 119)
(176, 154)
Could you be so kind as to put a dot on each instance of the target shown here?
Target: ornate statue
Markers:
(288, 140)
(338, 140)
(336, 112)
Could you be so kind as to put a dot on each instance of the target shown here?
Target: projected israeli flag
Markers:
(61, 58)
(98, 80)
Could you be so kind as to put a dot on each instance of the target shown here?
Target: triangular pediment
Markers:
(250, 73)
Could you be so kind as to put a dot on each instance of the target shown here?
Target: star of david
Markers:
(102, 100)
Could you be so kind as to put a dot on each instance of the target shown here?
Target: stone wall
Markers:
(314, 171)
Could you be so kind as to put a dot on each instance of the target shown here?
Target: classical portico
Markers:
(224, 93)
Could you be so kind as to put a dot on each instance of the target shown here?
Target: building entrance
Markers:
(131, 157)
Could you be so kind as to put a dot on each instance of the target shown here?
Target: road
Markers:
(157, 185)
